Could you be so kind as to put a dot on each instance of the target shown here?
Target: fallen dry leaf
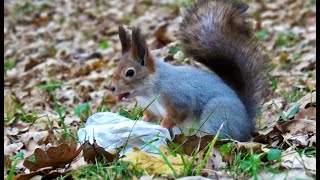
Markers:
(56, 157)
(43, 174)
(292, 130)
(293, 160)
(288, 174)
(308, 100)
(154, 164)
(215, 160)
(78, 163)
(308, 113)
(301, 126)
(12, 131)
(188, 144)
(22, 126)
(92, 153)
(12, 148)
(25, 176)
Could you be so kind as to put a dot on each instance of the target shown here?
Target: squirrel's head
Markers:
(135, 66)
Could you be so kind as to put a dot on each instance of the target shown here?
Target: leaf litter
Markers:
(76, 44)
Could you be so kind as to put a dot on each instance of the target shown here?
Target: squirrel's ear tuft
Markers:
(139, 49)
(124, 39)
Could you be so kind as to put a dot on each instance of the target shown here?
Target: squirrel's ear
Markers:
(139, 49)
(242, 7)
(124, 39)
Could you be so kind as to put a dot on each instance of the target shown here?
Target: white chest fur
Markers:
(155, 107)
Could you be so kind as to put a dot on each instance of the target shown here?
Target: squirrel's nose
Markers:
(112, 88)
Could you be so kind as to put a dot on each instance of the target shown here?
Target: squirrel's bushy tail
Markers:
(217, 34)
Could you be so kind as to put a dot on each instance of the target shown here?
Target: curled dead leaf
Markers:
(94, 152)
(23, 126)
(301, 126)
(56, 157)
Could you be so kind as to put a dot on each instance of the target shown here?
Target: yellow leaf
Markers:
(154, 164)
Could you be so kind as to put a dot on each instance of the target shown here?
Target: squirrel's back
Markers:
(217, 34)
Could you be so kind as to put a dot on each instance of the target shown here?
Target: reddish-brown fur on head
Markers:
(137, 59)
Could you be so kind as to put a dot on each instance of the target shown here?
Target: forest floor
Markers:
(59, 57)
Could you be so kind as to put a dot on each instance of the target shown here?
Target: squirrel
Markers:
(217, 34)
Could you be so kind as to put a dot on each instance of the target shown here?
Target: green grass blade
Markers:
(204, 160)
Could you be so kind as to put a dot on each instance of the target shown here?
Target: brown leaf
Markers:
(44, 174)
(308, 113)
(297, 126)
(300, 132)
(188, 144)
(246, 146)
(25, 176)
(23, 126)
(301, 140)
(94, 152)
(56, 157)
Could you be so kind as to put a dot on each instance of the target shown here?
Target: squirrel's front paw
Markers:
(148, 116)
(168, 123)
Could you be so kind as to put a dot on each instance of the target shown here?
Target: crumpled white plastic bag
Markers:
(111, 130)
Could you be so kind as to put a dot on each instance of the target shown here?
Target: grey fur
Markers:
(206, 96)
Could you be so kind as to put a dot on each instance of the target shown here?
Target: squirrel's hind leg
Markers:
(230, 112)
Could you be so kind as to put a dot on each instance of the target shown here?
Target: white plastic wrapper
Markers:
(111, 130)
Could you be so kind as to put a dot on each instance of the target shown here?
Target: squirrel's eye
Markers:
(130, 73)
